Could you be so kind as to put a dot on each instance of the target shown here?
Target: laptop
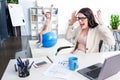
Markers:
(101, 71)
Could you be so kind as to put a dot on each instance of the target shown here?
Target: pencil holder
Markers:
(23, 67)
(23, 71)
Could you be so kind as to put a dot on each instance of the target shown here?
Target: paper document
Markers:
(59, 69)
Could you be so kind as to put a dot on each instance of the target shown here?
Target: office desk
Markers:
(42, 51)
(37, 74)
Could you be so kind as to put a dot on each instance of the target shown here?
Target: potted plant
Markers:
(114, 22)
(12, 1)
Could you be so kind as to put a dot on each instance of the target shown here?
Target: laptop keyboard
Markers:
(93, 67)
(94, 73)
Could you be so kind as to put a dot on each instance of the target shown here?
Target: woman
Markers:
(47, 25)
(89, 33)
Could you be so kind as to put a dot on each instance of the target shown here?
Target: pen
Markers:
(49, 59)
(20, 59)
(31, 65)
(20, 62)
(27, 62)
(15, 67)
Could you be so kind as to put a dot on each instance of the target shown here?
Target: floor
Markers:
(9, 48)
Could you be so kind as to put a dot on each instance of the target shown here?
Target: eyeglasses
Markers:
(81, 18)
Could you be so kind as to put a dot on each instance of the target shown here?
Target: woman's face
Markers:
(47, 15)
(83, 20)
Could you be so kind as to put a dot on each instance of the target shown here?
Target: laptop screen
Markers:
(111, 66)
(99, 72)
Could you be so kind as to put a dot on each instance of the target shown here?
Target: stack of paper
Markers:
(59, 69)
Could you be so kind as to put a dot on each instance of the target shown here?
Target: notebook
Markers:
(101, 71)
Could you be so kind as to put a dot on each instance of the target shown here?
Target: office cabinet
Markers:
(37, 20)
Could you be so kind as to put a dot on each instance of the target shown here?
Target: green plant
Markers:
(12, 1)
(114, 22)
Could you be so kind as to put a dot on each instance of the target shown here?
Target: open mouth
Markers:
(82, 24)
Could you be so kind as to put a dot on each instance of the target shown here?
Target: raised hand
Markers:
(51, 5)
(98, 17)
(73, 17)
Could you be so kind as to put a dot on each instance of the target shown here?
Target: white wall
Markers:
(65, 8)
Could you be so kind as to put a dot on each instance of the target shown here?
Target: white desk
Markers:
(42, 51)
(37, 74)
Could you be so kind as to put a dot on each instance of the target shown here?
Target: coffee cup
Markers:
(73, 63)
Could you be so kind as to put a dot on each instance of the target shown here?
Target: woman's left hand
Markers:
(98, 17)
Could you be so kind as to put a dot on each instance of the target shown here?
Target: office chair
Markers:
(105, 47)
(100, 45)
(117, 40)
(61, 48)
(66, 47)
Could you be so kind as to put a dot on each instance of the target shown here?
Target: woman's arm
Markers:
(105, 32)
(70, 33)
(51, 9)
(73, 18)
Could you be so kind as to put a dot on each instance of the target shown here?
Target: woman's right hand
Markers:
(51, 5)
(73, 17)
